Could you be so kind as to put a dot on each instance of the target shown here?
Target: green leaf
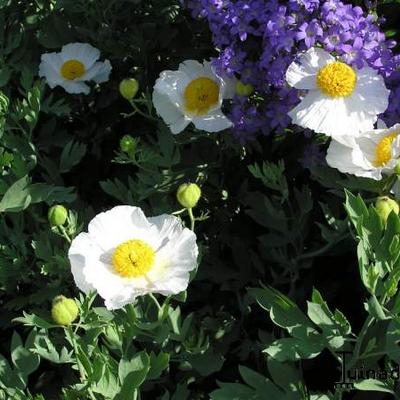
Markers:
(158, 363)
(375, 309)
(234, 391)
(23, 359)
(373, 385)
(206, 363)
(293, 349)
(17, 197)
(260, 383)
(283, 311)
(71, 155)
(134, 371)
(34, 320)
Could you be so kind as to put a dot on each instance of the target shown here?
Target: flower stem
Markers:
(65, 234)
(192, 218)
(155, 301)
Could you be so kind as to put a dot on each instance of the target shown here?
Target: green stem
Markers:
(82, 372)
(192, 218)
(356, 355)
(65, 234)
(155, 301)
(140, 112)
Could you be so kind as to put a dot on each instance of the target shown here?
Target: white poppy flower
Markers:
(340, 100)
(371, 155)
(124, 255)
(75, 64)
(194, 93)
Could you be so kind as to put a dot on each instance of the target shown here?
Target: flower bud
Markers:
(384, 206)
(188, 195)
(57, 215)
(128, 88)
(243, 89)
(128, 144)
(64, 310)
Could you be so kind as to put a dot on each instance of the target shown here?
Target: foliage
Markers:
(277, 297)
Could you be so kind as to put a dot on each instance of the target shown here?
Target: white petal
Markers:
(82, 52)
(118, 225)
(348, 160)
(359, 117)
(114, 289)
(100, 72)
(381, 124)
(179, 252)
(179, 125)
(371, 92)
(75, 87)
(193, 69)
(49, 68)
(302, 74)
(215, 121)
(336, 117)
(173, 285)
(81, 250)
(321, 114)
(170, 112)
(172, 84)
(228, 87)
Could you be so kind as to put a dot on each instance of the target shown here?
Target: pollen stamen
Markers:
(200, 95)
(337, 79)
(133, 259)
(72, 69)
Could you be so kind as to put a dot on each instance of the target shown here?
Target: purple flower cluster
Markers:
(258, 39)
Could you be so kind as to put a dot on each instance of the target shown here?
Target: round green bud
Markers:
(384, 206)
(188, 195)
(128, 144)
(57, 215)
(64, 311)
(128, 88)
(243, 89)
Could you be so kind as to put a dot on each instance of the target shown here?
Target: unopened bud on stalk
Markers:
(57, 215)
(128, 88)
(128, 144)
(188, 195)
(64, 311)
(384, 206)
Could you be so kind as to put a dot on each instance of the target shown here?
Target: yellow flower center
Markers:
(337, 79)
(200, 95)
(72, 69)
(133, 259)
(383, 151)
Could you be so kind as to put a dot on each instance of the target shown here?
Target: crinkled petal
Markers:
(118, 225)
(82, 52)
(81, 252)
(172, 84)
(336, 117)
(75, 87)
(193, 69)
(170, 112)
(100, 72)
(349, 160)
(214, 121)
(371, 93)
(179, 252)
(49, 69)
(302, 74)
